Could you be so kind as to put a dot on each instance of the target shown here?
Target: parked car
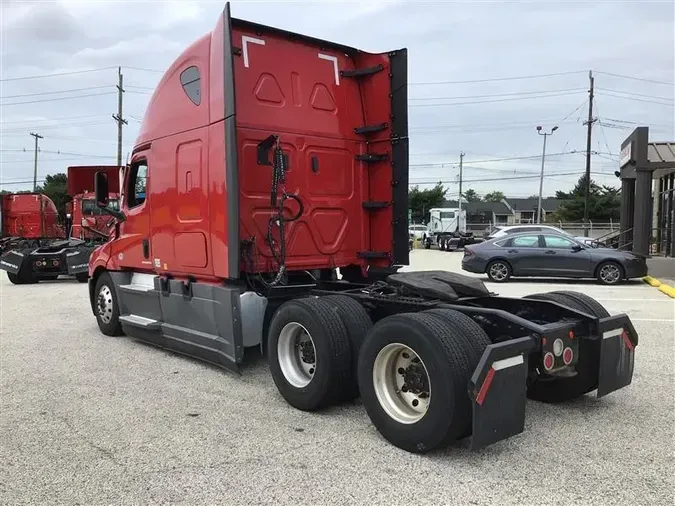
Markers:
(549, 254)
(503, 231)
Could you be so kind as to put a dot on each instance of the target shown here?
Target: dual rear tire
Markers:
(411, 370)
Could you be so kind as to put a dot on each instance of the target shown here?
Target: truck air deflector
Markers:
(398, 72)
(231, 155)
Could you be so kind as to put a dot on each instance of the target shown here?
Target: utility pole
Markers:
(118, 117)
(37, 136)
(541, 177)
(459, 200)
(589, 123)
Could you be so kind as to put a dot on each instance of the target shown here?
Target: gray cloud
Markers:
(447, 41)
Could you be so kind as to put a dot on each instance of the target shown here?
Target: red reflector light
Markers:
(55, 262)
(549, 361)
(571, 334)
(568, 356)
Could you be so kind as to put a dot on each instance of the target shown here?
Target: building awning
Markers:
(662, 153)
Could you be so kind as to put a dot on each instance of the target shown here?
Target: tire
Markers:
(82, 277)
(609, 273)
(439, 347)
(305, 387)
(499, 271)
(107, 306)
(24, 277)
(475, 337)
(357, 322)
(553, 389)
(592, 305)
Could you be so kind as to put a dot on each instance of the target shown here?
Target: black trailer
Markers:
(434, 356)
(29, 262)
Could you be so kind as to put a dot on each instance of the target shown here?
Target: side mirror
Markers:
(577, 247)
(101, 195)
(101, 189)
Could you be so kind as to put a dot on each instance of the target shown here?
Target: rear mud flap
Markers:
(77, 261)
(617, 353)
(498, 392)
(11, 261)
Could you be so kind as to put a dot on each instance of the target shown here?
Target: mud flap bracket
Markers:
(497, 390)
(618, 339)
(77, 261)
(11, 261)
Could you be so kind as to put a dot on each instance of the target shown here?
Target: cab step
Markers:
(140, 322)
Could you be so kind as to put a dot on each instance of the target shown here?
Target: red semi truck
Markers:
(35, 246)
(269, 162)
(27, 219)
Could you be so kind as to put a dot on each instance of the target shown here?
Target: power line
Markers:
(502, 94)
(605, 94)
(495, 100)
(54, 119)
(512, 158)
(60, 98)
(74, 72)
(515, 78)
(55, 92)
(635, 94)
(636, 78)
(52, 127)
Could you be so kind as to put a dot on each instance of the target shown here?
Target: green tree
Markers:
(56, 188)
(494, 196)
(470, 195)
(420, 201)
(604, 203)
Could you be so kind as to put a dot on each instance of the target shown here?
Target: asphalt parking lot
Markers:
(88, 419)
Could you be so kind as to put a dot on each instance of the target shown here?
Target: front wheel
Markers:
(106, 306)
(609, 273)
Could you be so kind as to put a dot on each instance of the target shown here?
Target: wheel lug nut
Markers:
(401, 370)
(415, 402)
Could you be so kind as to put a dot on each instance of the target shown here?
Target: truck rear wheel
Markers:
(357, 322)
(413, 374)
(106, 306)
(554, 389)
(309, 353)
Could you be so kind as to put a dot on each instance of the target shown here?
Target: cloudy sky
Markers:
(471, 68)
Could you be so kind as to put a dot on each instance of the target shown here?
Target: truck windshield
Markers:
(447, 215)
(89, 207)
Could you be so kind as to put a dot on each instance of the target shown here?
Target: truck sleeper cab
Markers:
(266, 162)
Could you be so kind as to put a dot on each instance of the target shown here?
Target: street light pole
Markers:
(541, 177)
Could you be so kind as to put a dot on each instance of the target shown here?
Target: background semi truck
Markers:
(36, 245)
(265, 205)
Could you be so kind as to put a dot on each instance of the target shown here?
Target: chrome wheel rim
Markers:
(610, 273)
(105, 304)
(499, 271)
(401, 383)
(296, 354)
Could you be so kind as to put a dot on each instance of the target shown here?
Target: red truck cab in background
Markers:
(266, 162)
(35, 246)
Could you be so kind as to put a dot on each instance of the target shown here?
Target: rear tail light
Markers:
(568, 356)
(549, 361)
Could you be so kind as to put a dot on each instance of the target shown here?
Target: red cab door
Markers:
(132, 249)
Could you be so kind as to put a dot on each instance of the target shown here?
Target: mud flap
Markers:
(498, 392)
(617, 353)
(77, 261)
(12, 261)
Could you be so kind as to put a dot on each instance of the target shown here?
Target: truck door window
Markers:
(137, 184)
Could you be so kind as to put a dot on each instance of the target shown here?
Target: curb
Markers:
(663, 288)
(651, 281)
